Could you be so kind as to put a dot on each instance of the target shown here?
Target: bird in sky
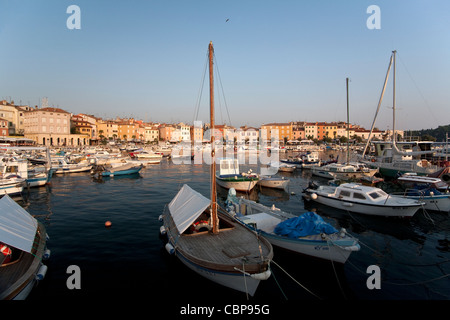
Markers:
(227, 20)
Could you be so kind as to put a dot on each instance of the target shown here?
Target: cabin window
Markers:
(358, 195)
(374, 195)
(344, 193)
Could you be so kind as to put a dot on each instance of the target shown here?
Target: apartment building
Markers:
(127, 129)
(108, 129)
(151, 134)
(282, 131)
(51, 127)
(165, 132)
(196, 132)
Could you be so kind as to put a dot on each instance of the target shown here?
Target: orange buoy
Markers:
(108, 224)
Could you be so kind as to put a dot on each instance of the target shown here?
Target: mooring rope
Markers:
(296, 281)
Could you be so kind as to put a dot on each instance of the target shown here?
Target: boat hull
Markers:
(236, 281)
(434, 203)
(120, 173)
(315, 248)
(25, 280)
(274, 183)
(73, 169)
(12, 187)
(373, 210)
(244, 185)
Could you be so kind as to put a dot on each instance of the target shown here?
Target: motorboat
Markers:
(230, 177)
(362, 199)
(273, 182)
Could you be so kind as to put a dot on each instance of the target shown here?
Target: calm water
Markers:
(128, 260)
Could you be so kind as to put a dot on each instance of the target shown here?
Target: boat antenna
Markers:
(214, 219)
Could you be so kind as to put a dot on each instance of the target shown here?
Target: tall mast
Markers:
(379, 105)
(214, 219)
(348, 125)
(393, 103)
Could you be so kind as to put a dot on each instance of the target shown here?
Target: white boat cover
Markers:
(17, 226)
(187, 206)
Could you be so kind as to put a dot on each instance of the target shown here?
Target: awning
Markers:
(17, 226)
(187, 206)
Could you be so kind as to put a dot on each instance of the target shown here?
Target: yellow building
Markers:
(283, 130)
(127, 129)
(108, 129)
(151, 134)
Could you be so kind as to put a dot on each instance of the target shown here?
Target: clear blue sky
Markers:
(278, 60)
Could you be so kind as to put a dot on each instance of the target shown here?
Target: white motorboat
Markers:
(60, 165)
(12, 185)
(273, 182)
(432, 191)
(343, 171)
(306, 234)
(362, 199)
(36, 175)
(230, 177)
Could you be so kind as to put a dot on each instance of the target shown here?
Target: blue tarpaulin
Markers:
(306, 224)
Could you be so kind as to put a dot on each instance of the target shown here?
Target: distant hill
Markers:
(425, 134)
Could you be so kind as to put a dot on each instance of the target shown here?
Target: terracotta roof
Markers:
(51, 110)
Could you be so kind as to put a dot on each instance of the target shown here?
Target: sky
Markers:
(276, 61)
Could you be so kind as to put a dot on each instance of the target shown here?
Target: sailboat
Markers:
(345, 171)
(207, 240)
(393, 161)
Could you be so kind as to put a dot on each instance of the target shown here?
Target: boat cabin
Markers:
(229, 166)
(351, 191)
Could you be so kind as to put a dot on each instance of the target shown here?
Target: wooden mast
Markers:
(348, 125)
(214, 219)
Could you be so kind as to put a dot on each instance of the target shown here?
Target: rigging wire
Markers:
(417, 87)
(200, 92)
(221, 86)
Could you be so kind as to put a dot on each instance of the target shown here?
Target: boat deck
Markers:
(233, 246)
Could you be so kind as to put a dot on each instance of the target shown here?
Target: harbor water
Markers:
(128, 259)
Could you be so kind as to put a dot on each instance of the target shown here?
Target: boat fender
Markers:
(161, 218)
(7, 252)
(355, 247)
(261, 276)
(347, 204)
(313, 196)
(46, 254)
(199, 225)
(169, 248)
(162, 230)
(342, 233)
(41, 272)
